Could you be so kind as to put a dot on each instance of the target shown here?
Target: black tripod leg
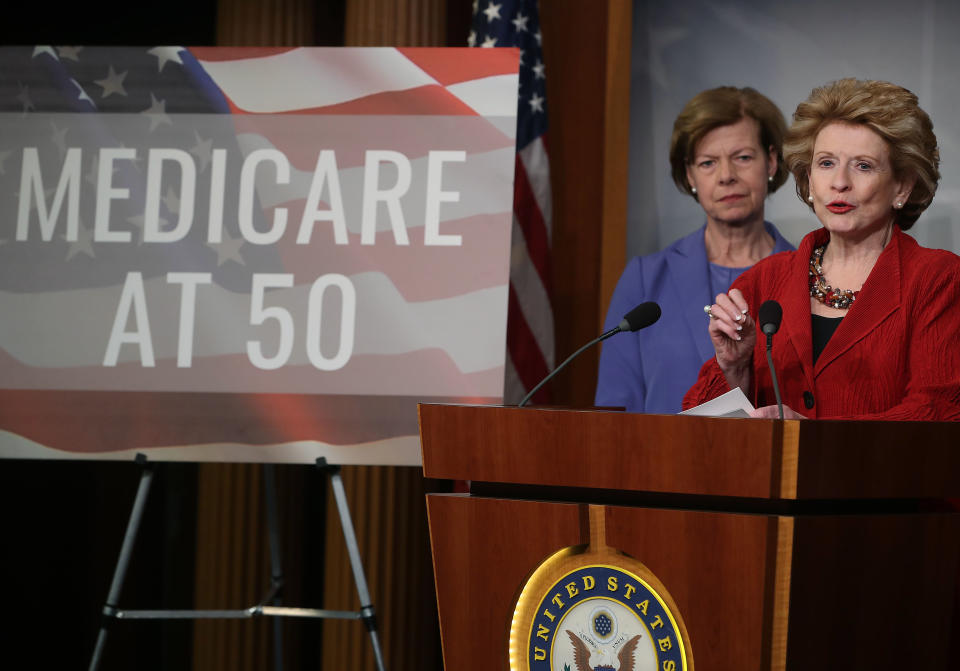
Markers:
(276, 566)
(368, 615)
(123, 561)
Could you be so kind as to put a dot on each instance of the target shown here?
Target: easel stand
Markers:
(269, 606)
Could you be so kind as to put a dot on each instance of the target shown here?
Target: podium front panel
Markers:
(484, 550)
(782, 544)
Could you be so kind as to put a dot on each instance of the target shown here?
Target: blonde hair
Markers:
(724, 106)
(890, 111)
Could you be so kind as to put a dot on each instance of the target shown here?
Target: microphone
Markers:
(770, 316)
(638, 318)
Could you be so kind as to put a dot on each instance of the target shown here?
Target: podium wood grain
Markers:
(785, 545)
(484, 549)
(704, 456)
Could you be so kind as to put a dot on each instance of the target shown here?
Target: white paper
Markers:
(732, 404)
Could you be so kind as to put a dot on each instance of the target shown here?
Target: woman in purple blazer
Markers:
(725, 152)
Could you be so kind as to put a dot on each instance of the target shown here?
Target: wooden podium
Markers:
(785, 544)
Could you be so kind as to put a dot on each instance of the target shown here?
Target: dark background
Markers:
(64, 521)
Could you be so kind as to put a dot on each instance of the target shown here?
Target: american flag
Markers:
(530, 346)
(430, 320)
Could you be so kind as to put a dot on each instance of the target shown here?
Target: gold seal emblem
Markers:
(593, 608)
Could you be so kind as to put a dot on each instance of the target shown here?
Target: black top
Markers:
(823, 328)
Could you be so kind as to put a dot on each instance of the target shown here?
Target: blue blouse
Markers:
(650, 370)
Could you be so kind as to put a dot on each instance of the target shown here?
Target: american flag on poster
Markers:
(530, 346)
(208, 249)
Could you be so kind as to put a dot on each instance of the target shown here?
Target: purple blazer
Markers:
(650, 370)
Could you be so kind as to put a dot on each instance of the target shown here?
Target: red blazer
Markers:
(895, 355)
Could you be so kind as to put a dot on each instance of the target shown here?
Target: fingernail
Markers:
(744, 311)
(739, 338)
(740, 328)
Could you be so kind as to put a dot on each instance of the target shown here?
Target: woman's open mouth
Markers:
(840, 207)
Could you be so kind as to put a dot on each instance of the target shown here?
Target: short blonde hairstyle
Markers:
(725, 106)
(890, 111)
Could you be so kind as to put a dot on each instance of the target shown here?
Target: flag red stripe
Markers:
(452, 70)
(527, 358)
(531, 223)
(108, 421)
(429, 100)
(400, 373)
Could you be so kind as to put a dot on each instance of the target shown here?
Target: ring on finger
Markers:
(708, 310)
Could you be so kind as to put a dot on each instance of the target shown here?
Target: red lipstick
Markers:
(840, 207)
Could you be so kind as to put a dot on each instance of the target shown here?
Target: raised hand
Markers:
(734, 335)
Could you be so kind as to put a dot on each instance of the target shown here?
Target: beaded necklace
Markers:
(823, 292)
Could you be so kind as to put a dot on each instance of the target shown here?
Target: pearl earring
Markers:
(693, 190)
(770, 179)
(899, 204)
(810, 198)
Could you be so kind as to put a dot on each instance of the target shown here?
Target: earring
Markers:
(770, 179)
(810, 198)
(899, 204)
(693, 190)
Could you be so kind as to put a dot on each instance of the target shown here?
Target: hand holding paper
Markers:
(732, 404)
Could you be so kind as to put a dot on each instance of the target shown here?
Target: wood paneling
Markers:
(387, 505)
(857, 583)
(861, 468)
(233, 564)
(586, 52)
(232, 567)
(711, 456)
(777, 604)
(653, 453)
(823, 581)
(258, 23)
(714, 565)
(616, 101)
(396, 23)
(483, 551)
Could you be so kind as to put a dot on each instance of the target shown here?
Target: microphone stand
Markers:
(613, 331)
(773, 373)
(638, 318)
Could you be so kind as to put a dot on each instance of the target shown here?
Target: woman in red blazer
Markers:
(871, 320)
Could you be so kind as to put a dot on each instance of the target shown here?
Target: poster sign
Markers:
(248, 254)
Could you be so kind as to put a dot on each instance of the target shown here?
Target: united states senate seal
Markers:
(590, 608)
